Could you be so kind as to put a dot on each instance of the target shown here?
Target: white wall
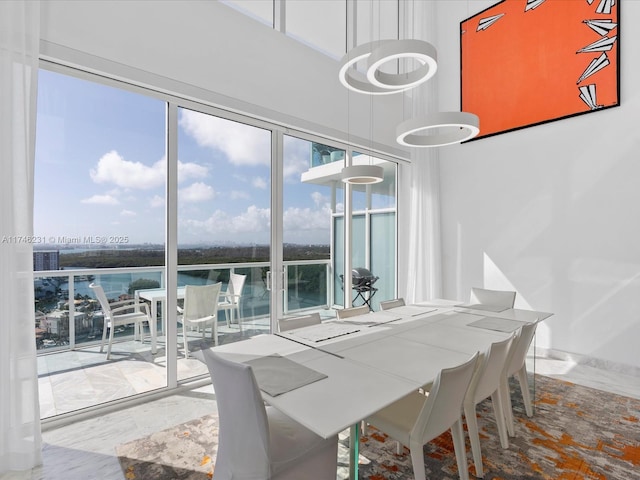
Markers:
(551, 210)
(208, 51)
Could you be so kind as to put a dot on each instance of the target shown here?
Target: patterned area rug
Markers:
(577, 433)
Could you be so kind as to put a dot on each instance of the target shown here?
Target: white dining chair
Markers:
(416, 419)
(352, 312)
(517, 365)
(388, 304)
(258, 442)
(200, 309)
(231, 299)
(486, 383)
(121, 313)
(285, 324)
(499, 298)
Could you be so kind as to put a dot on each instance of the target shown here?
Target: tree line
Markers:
(189, 256)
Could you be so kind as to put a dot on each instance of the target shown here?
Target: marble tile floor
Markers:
(86, 449)
(72, 380)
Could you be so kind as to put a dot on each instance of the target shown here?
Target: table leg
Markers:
(154, 335)
(354, 450)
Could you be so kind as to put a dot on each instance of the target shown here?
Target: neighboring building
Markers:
(46, 260)
(57, 322)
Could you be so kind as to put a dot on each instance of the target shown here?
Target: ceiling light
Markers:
(380, 52)
(423, 52)
(458, 127)
(354, 80)
(362, 174)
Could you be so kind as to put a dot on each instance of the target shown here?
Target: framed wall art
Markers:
(528, 62)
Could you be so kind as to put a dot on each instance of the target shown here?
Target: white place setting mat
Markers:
(497, 324)
(486, 308)
(276, 375)
(411, 310)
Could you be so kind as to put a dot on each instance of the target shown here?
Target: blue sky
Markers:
(100, 163)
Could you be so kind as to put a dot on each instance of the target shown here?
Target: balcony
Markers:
(74, 375)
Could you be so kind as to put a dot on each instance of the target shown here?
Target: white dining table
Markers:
(379, 361)
(157, 296)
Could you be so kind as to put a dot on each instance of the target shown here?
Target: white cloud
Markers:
(187, 171)
(114, 169)
(303, 225)
(319, 199)
(253, 220)
(101, 200)
(259, 182)
(296, 219)
(242, 144)
(297, 155)
(157, 201)
(128, 213)
(196, 192)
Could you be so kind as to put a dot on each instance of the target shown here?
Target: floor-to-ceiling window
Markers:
(102, 215)
(98, 218)
(224, 221)
(373, 237)
(312, 192)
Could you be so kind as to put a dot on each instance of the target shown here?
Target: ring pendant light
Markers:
(460, 126)
(362, 174)
(380, 52)
(423, 52)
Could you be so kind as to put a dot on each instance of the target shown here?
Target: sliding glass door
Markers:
(224, 222)
(100, 183)
(137, 190)
(373, 238)
(314, 228)
(312, 192)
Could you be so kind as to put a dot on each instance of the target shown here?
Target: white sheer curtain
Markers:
(20, 439)
(424, 272)
(424, 267)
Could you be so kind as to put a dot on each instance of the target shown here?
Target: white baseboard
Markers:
(580, 359)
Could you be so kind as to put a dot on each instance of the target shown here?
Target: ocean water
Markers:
(115, 284)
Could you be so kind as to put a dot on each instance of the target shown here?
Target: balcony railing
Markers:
(62, 295)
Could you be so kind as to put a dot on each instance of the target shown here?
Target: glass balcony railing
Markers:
(62, 295)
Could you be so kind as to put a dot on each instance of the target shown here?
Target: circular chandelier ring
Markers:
(465, 125)
(356, 81)
(423, 52)
(362, 174)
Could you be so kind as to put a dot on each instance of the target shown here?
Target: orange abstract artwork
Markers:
(526, 62)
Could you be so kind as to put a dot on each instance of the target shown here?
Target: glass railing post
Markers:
(286, 290)
(72, 312)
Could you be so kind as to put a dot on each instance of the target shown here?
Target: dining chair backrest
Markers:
(486, 379)
(387, 304)
(444, 403)
(201, 301)
(243, 434)
(520, 347)
(102, 298)
(236, 284)
(352, 312)
(500, 298)
(285, 324)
